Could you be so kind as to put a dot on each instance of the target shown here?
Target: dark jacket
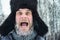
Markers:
(11, 35)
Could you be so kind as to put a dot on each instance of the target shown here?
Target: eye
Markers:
(20, 13)
(28, 13)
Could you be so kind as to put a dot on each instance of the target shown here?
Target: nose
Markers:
(24, 16)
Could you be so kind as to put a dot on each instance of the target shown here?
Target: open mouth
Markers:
(24, 23)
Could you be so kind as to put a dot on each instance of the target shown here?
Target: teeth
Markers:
(24, 24)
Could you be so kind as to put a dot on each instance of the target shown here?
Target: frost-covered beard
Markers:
(21, 33)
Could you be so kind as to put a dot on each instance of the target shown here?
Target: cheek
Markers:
(30, 19)
(17, 18)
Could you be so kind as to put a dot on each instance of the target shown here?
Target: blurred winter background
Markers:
(49, 11)
(4, 10)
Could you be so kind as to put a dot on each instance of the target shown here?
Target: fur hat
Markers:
(39, 26)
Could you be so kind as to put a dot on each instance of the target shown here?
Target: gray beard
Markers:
(21, 33)
(30, 35)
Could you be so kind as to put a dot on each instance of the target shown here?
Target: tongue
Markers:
(24, 24)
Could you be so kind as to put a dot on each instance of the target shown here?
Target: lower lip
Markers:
(23, 26)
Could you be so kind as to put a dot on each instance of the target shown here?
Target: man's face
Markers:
(24, 19)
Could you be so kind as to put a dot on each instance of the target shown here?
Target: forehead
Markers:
(24, 9)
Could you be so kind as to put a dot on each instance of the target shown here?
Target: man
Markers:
(24, 22)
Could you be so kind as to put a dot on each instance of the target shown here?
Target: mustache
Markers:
(23, 20)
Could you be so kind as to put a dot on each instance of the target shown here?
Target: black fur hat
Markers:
(39, 26)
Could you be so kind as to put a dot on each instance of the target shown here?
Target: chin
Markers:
(24, 31)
